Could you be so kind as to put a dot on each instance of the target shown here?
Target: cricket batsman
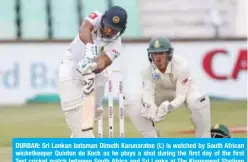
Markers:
(168, 84)
(83, 68)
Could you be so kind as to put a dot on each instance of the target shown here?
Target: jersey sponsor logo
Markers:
(239, 65)
(157, 44)
(216, 126)
(113, 50)
(93, 15)
(155, 76)
(116, 19)
(116, 53)
(185, 81)
(88, 84)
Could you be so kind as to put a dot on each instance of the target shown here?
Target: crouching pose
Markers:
(167, 85)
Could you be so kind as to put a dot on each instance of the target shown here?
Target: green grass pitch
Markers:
(47, 120)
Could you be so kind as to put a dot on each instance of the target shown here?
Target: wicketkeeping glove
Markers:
(164, 108)
(148, 111)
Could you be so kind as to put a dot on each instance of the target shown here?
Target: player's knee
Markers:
(133, 109)
(198, 101)
(132, 99)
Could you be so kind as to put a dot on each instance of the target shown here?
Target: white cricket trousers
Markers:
(71, 104)
(197, 102)
(199, 105)
(70, 91)
(133, 110)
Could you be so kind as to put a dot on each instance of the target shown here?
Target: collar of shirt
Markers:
(168, 68)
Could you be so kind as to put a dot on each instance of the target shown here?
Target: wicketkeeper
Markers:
(167, 85)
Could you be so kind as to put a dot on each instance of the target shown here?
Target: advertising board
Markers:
(29, 70)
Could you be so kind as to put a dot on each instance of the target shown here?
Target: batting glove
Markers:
(164, 108)
(86, 68)
(90, 51)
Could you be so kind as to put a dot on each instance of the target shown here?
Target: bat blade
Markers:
(89, 99)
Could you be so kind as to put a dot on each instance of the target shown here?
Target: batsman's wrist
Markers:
(88, 45)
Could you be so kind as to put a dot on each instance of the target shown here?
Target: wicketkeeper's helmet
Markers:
(220, 131)
(160, 44)
(113, 22)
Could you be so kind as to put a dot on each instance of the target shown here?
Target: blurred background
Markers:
(60, 19)
(211, 34)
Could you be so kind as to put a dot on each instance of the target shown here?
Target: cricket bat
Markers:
(89, 99)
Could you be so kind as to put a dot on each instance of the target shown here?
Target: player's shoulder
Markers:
(146, 70)
(94, 17)
(179, 62)
(95, 14)
(115, 43)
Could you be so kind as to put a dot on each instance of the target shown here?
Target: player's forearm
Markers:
(85, 36)
(148, 97)
(178, 101)
(148, 92)
(181, 92)
(102, 63)
(100, 67)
